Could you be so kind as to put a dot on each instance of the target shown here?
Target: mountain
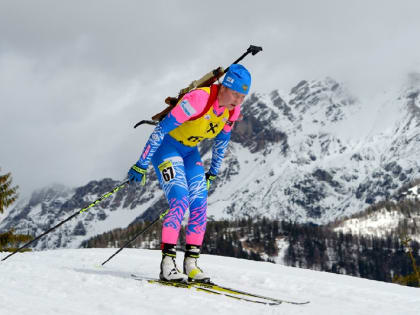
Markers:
(314, 154)
(49, 206)
(398, 217)
(329, 155)
(71, 284)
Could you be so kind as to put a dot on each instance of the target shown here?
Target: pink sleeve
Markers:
(235, 115)
(191, 105)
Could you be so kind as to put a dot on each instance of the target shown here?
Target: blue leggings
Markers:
(181, 175)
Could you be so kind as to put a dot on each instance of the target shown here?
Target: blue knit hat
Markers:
(238, 79)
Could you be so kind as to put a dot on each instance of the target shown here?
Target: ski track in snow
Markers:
(71, 281)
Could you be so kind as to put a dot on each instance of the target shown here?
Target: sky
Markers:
(75, 76)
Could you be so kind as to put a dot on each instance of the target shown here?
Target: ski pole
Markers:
(138, 234)
(251, 49)
(70, 217)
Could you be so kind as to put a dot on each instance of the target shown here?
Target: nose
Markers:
(239, 99)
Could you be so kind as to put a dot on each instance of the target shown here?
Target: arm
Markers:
(191, 105)
(138, 171)
(220, 145)
(163, 127)
(221, 142)
(219, 148)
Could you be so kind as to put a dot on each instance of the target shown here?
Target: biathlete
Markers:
(208, 112)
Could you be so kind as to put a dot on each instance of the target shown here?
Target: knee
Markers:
(198, 189)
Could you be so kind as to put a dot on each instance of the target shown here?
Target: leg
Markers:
(196, 227)
(196, 180)
(169, 167)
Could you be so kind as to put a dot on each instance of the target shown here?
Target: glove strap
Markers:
(210, 178)
(141, 171)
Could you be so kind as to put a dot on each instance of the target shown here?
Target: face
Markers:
(229, 98)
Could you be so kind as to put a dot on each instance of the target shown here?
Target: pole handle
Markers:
(251, 50)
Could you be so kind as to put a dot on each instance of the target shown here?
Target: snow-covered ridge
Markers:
(396, 218)
(413, 193)
(378, 224)
(49, 206)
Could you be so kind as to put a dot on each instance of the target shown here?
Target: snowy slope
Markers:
(68, 282)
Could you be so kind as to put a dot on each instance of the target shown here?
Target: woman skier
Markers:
(208, 112)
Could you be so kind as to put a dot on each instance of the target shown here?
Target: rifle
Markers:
(207, 80)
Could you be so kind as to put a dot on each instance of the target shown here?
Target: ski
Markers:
(221, 290)
(207, 290)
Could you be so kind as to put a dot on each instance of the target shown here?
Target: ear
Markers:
(221, 90)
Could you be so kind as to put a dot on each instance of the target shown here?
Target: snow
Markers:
(379, 223)
(282, 246)
(415, 190)
(68, 282)
(413, 193)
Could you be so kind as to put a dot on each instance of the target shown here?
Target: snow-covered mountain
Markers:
(69, 282)
(314, 154)
(329, 155)
(49, 206)
(381, 223)
(400, 218)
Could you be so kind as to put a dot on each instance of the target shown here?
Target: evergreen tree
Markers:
(9, 241)
(8, 195)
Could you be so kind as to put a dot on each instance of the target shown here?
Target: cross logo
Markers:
(212, 128)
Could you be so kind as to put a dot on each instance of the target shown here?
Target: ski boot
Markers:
(194, 273)
(168, 269)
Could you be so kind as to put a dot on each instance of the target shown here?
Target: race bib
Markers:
(167, 171)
